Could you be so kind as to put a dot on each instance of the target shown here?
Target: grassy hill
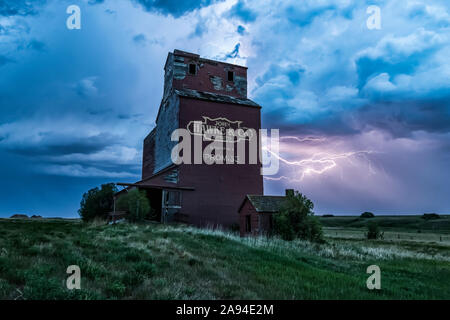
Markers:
(151, 261)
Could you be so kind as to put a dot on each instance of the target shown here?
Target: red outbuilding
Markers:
(256, 213)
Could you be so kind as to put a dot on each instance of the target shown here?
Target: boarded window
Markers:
(230, 76)
(192, 68)
(248, 223)
(172, 199)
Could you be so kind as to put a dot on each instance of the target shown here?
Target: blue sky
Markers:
(364, 114)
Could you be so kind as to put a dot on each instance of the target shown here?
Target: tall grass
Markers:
(151, 261)
(367, 250)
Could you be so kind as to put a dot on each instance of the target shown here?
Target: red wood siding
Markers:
(219, 188)
(247, 209)
(260, 222)
(212, 76)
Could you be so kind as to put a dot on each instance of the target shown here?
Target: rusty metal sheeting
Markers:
(266, 203)
(189, 93)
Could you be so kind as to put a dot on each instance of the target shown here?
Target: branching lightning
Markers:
(318, 163)
(312, 139)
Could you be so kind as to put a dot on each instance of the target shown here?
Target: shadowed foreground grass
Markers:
(152, 261)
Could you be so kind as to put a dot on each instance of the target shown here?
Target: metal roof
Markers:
(265, 203)
(153, 186)
(209, 96)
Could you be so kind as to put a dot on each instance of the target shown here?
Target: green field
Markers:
(404, 229)
(152, 261)
(412, 224)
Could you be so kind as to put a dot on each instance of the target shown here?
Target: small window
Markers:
(230, 76)
(248, 223)
(192, 68)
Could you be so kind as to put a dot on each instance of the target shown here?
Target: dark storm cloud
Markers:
(20, 7)
(94, 2)
(130, 116)
(242, 12)
(292, 71)
(174, 7)
(12, 30)
(167, 7)
(140, 39)
(241, 30)
(36, 45)
(54, 144)
(305, 15)
(4, 60)
(398, 117)
(75, 109)
(33, 44)
(402, 118)
(392, 85)
(394, 57)
(396, 113)
(86, 87)
(429, 18)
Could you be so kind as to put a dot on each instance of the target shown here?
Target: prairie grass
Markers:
(332, 249)
(152, 261)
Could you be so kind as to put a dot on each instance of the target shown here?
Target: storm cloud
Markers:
(364, 115)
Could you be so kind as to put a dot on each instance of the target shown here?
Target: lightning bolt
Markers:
(313, 139)
(325, 161)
